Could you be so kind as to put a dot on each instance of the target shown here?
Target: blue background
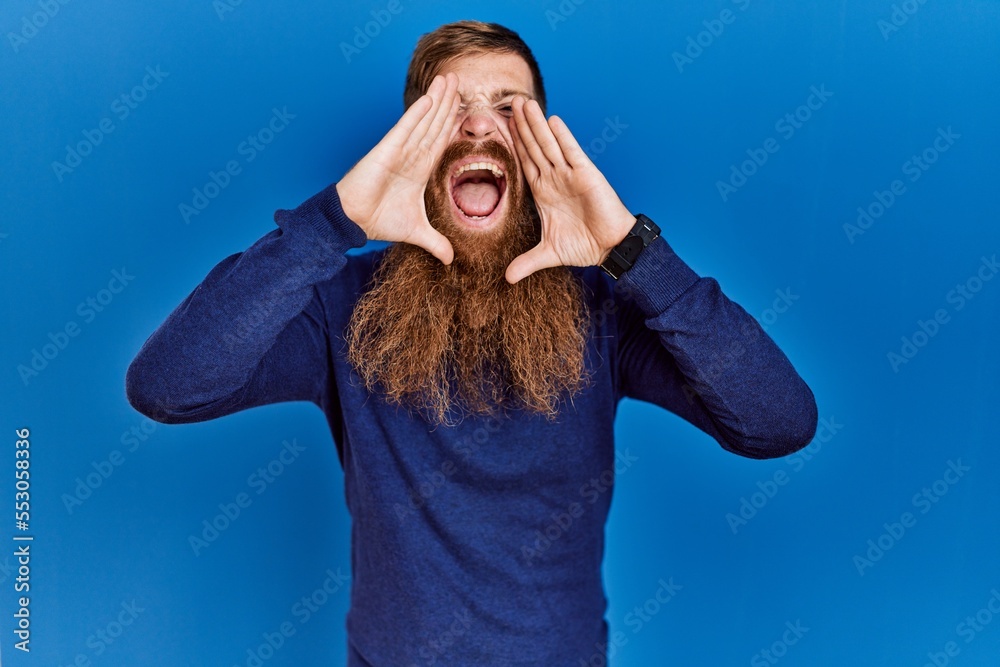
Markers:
(892, 433)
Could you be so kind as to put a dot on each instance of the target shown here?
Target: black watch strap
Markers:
(623, 256)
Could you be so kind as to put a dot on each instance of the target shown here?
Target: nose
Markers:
(478, 123)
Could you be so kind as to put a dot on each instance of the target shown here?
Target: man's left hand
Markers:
(582, 217)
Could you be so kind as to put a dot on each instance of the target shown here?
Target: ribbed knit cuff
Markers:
(657, 278)
(324, 213)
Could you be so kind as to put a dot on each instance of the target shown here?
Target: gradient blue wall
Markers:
(697, 95)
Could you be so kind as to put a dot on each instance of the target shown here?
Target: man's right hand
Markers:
(384, 192)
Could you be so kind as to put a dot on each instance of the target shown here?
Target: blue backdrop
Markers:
(832, 164)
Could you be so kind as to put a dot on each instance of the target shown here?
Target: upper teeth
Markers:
(473, 166)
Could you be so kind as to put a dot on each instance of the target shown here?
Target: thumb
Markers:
(433, 242)
(538, 258)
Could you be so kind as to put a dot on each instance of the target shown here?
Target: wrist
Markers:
(623, 223)
(324, 212)
(624, 255)
(346, 203)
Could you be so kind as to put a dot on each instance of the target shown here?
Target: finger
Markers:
(433, 242)
(434, 92)
(538, 258)
(543, 134)
(527, 165)
(568, 143)
(445, 117)
(404, 128)
(531, 146)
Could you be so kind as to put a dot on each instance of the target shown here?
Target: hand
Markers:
(384, 192)
(582, 217)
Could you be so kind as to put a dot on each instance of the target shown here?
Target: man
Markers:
(470, 372)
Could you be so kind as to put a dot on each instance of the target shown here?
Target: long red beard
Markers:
(455, 340)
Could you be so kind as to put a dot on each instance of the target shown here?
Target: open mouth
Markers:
(477, 188)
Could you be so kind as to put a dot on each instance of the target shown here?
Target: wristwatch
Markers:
(623, 256)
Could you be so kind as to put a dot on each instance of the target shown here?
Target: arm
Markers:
(254, 331)
(685, 346)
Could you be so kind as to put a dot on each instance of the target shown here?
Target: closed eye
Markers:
(504, 109)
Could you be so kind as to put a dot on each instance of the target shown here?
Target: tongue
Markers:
(477, 198)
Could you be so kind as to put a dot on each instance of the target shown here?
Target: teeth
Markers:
(497, 171)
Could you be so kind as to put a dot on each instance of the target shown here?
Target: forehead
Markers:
(491, 72)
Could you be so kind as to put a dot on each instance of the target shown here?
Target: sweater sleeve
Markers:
(685, 346)
(254, 331)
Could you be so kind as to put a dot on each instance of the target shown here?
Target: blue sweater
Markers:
(478, 544)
